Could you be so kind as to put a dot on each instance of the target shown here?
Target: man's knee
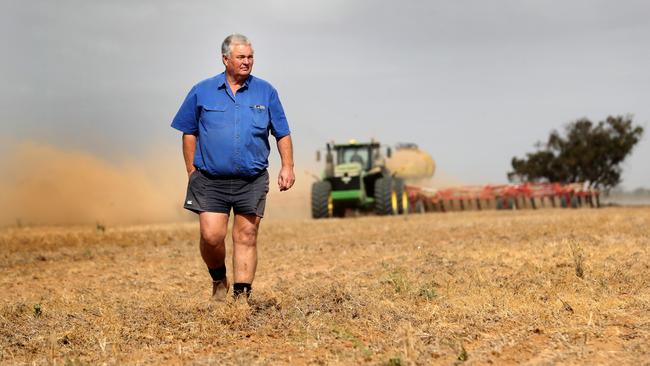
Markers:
(214, 227)
(213, 238)
(246, 236)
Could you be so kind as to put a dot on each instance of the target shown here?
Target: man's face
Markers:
(240, 60)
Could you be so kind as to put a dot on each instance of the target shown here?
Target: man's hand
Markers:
(286, 178)
(190, 171)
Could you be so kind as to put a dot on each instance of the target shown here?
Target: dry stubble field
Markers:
(538, 287)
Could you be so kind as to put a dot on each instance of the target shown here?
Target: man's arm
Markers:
(286, 178)
(189, 146)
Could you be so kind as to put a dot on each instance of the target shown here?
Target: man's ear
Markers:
(224, 58)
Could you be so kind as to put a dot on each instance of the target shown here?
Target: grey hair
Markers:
(235, 38)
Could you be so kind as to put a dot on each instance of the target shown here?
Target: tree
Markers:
(587, 152)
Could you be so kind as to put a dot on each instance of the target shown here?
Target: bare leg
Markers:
(244, 257)
(214, 227)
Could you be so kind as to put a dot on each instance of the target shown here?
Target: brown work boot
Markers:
(220, 289)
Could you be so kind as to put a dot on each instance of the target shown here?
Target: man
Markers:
(226, 122)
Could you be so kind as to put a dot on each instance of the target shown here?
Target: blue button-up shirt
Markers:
(232, 130)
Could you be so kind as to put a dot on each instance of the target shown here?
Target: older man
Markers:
(226, 122)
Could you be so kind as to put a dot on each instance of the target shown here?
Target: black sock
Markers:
(241, 288)
(218, 274)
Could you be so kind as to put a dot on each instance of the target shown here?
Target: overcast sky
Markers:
(472, 82)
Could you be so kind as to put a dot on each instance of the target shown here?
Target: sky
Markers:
(473, 83)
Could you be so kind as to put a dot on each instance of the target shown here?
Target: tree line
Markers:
(585, 152)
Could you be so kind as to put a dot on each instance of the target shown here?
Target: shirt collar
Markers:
(221, 80)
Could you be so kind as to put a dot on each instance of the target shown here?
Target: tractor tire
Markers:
(385, 197)
(320, 199)
(402, 196)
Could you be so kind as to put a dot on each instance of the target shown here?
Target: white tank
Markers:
(409, 162)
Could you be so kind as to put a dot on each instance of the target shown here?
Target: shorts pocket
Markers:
(266, 182)
(193, 175)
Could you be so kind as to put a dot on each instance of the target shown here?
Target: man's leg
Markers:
(244, 257)
(214, 227)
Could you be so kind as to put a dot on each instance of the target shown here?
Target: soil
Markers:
(549, 286)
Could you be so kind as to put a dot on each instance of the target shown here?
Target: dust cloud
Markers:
(440, 180)
(43, 184)
(292, 204)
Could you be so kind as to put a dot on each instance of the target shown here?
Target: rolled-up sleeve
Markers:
(186, 119)
(279, 124)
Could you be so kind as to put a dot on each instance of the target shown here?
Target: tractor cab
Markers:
(366, 155)
(353, 156)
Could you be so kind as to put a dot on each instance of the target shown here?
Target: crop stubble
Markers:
(500, 287)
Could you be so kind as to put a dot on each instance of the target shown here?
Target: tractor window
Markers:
(354, 155)
(376, 154)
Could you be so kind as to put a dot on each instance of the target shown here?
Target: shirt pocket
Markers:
(213, 116)
(260, 116)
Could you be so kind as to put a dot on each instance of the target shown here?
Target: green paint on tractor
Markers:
(356, 178)
(347, 195)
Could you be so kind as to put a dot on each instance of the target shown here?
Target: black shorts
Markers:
(206, 193)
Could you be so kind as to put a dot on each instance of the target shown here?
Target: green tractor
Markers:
(356, 178)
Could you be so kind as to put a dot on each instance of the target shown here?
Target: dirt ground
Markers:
(538, 287)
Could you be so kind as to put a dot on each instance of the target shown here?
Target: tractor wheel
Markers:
(321, 201)
(402, 196)
(385, 197)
